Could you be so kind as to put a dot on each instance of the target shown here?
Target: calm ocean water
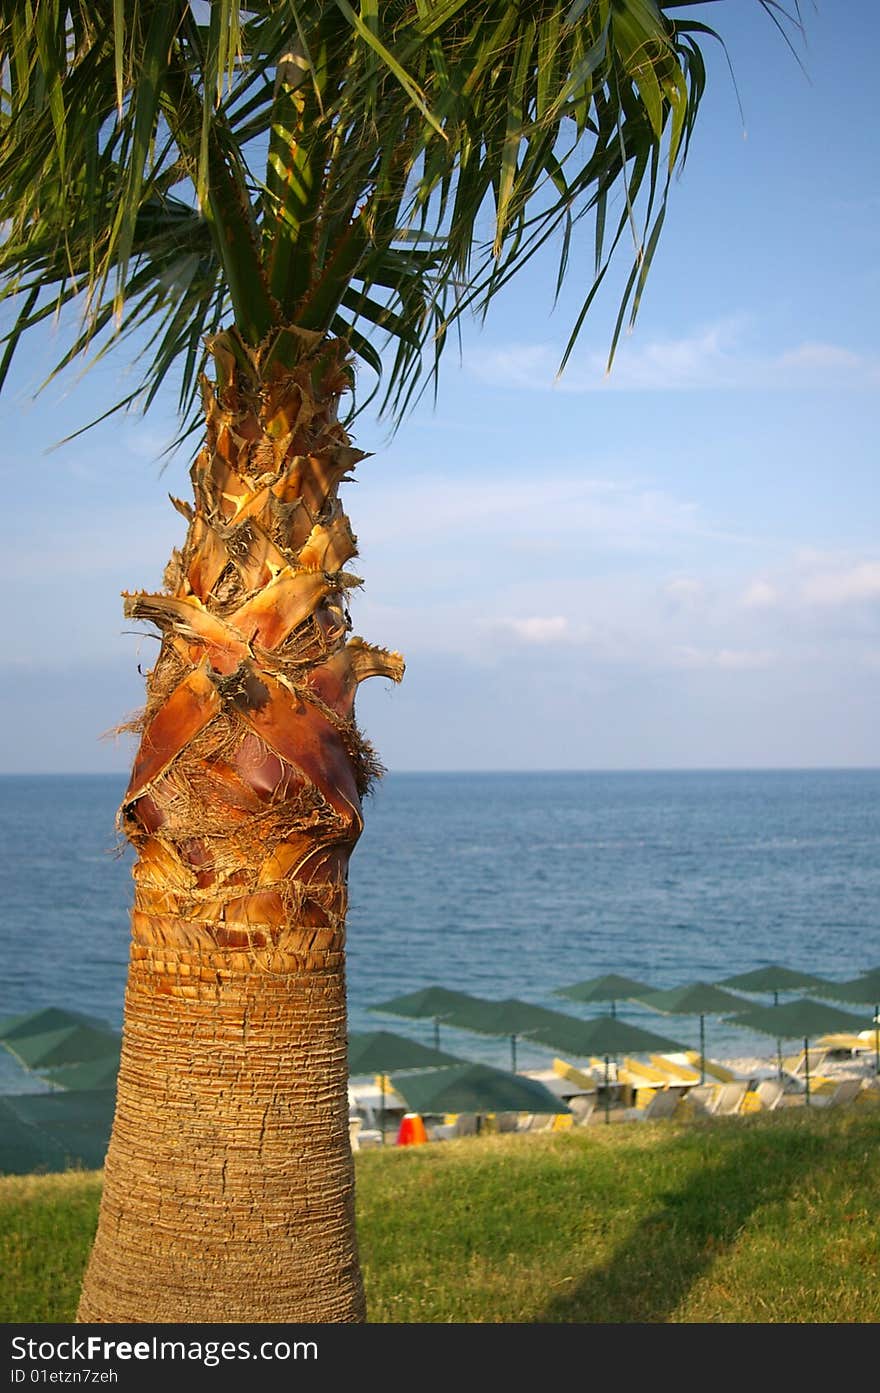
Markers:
(500, 885)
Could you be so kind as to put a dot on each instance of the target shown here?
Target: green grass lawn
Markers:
(772, 1218)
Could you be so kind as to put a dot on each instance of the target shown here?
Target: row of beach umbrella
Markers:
(608, 1035)
(74, 1052)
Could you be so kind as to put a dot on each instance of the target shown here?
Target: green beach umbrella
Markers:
(474, 1088)
(507, 1017)
(606, 1036)
(46, 1019)
(91, 1073)
(860, 991)
(25, 1150)
(774, 979)
(612, 988)
(72, 1044)
(803, 1019)
(480, 1014)
(693, 999)
(428, 1003)
(867, 982)
(54, 1131)
(381, 1051)
(602, 1035)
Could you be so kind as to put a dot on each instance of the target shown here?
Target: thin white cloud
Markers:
(685, 593)
(844, 586)
(813, 581)
(725, 659)
(760, 595)
(825, 357)
(716, 357)
(551, 508)
(538, 629)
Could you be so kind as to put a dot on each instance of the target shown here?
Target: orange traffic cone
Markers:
(412, 1130)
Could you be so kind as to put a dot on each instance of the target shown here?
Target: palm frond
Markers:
(373, 170)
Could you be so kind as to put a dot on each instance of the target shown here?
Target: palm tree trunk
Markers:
(228, 1185)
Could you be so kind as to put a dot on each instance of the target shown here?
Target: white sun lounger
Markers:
(663, 1104)
(845, 1091)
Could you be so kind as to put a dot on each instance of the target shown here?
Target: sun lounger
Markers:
(466, 1125)
(699, 1101)
(662, 1105)
(729, 1098)
(598, 1067)
(365, 1137)
(796, 1064)
(536, 1122)
(716, 1099)
(848, 1044)
(844, 1091)
(582, 1106)
(647, 1071)
(558, 1083)
(673, 1069)
(711, 1067)
(869, 1094)
(454, 1124)
(771, 1093)
(582, 1081)
(636, 1078)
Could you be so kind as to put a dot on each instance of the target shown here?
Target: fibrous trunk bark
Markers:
(228, 1185)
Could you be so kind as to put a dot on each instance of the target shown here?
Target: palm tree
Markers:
(257, 198)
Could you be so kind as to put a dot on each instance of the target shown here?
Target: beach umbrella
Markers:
(605, 1036)
(46, 1019)
(774, 979)
(693, 999)
(90, 1074)
(507, 1017)
(53, 1131)
(480, 1014)
(803, 1019)
(612, 988)
(72, 1044)
(428, 1003)
(860, 991)
(381, 1051)
(474, 1088)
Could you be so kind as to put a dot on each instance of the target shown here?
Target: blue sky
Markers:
(677, 566)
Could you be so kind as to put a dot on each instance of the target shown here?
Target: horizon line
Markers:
(543, 769)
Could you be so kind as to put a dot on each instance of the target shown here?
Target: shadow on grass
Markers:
(650, 1274)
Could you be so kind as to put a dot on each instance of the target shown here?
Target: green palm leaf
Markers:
(370, 170)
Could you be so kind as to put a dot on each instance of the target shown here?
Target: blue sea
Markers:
(499, 885)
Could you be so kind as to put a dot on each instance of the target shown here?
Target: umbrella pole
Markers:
(607, 1093)
(513, 1053)
(702, 1049)
(807, 1070)
(614, 1008)
(382, 1110)
(779, 1057)
(877, 1038)
(436, 1032)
